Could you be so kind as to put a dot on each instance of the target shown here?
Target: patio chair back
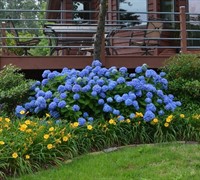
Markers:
(151, 38)
(12, 29)
(153, 33)
(25, 44)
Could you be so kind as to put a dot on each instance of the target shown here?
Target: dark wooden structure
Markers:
(128, 57)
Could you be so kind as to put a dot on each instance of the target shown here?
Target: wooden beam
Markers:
(79, 62)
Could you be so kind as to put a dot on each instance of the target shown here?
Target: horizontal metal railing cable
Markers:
(173, 29)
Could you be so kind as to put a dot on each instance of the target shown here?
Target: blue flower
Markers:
(32, 103)
(54, 114)
(159, 101)
(81, 121)
(178, 103)
(151, 107)
(149, 87)
(138, 69)
(128, 102)
(132, 75)
(160, 93)
(102, 95)
(86, 88)
(114, 70)
(48, 95)
(148, 100)
(61, 88)
(125, 96)
(118, 99)
(116, 112)
(120, 80)
(161, 112)
(110, 99)
(102, 71)
(170, 106)
(162, 74)
(104, 88)
(44, 82)
(95, 78)
(97, 88)
(63, 95)
(100, 82)
(148, 116)
(136, 105)
(76, 96)
(62, 104)
(85, 115)
(107, 108)
(51, 75)
(150, 73)
(37, 89)
(132, 95)
(107, 74)
(37, 110)
(90, 119)
(138, 93)
(112, 85)
(123, 70)
(120, 118)
(149, 95)
(132, 115)
(91, 82)
(136, 83)
(40, 93)
(52, 106)
(94, 93)
(96, 63)
(68, 87)
(28, 105)
(41, 103)
(76, 88)
(75, 107)
(46, 73)
(19, 109)
(56, 100)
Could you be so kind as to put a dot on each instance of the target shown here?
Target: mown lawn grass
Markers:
(161, 161)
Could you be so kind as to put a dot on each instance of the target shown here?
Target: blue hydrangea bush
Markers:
(97, 93)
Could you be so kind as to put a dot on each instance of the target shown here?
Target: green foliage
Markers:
(41, 51)
(10, 41)
(14, 88)
(24, 37)
(26, 145)
(182, 73)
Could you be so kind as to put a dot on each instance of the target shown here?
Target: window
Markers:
(168, 7)
(132, 12)
(194, 10)
(80, 16)
(194, 23)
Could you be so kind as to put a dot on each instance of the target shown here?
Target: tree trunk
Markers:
(100, 30)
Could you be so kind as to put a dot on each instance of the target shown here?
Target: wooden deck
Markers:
(79, 62)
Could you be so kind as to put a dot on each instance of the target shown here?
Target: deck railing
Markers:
(76, 37)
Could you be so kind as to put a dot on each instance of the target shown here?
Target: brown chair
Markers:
(25, 44)
(151, 38)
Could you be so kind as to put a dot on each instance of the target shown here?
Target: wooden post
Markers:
(183, 33)
(3, 32)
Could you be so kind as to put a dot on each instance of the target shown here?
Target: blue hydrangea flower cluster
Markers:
(98, 92)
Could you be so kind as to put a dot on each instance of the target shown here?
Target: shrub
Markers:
(14, 88)
(100, 93)
(182, 73)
